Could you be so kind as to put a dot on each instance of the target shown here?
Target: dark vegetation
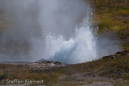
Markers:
(111, 15)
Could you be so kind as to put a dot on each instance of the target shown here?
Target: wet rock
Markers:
(93, 75)
(51, 65)
(123, 53)
(106, 57)
(113, 57)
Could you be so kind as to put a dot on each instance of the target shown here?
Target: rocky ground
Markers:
(98, 76)
(39, 65)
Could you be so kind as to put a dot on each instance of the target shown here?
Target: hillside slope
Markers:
(112, 15)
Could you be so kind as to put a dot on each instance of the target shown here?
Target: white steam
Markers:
(51, 29)
(80, 48)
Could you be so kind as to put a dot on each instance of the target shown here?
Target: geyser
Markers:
(79, 48)
(58, 30)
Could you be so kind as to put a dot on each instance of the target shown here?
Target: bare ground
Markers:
(87, 79)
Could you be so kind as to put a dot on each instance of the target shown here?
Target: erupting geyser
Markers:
(79, 48)
(58, 30)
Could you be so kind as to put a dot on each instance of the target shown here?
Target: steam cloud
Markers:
(51, 29)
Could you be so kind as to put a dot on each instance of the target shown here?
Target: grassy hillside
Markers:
(112, 15)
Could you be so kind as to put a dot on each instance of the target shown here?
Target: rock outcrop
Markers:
(39, 65)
